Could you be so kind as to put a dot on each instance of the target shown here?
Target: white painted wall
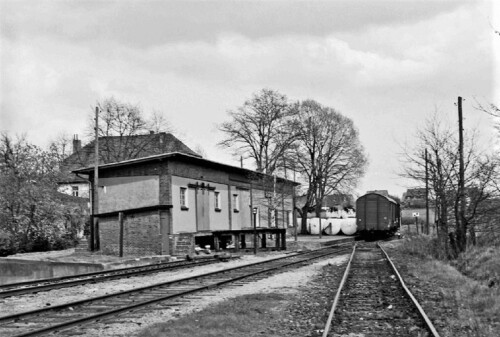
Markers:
(83, 189)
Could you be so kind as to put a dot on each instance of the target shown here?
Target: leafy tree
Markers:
(31, 211)
(328, 154)
(260, 130)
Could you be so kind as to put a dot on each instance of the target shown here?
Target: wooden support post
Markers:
(243, 241)
(216, 242)
(283, 240)
(236, 239)
(278, 239)
(263, 241)
(120, 220)
(97, 237)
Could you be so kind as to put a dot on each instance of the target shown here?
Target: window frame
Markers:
(183, 198)
(217, 205)
(236, 203)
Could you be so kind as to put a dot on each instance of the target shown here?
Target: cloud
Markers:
(140, 24)
(383, 68)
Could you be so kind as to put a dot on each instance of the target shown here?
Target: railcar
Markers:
(377, 215)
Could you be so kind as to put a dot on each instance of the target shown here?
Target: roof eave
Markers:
(90, 169)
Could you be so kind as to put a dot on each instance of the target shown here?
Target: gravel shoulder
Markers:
(17, 304)
(290, 283)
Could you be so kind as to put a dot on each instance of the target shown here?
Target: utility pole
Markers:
(254, 211)
(461, 182)
(95, 188)
(426, 194)
(294, 211)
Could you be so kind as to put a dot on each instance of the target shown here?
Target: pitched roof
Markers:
(114, 149)
(415, 193)
(186, 158)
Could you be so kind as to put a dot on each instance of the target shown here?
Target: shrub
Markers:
(6, 244)
(423, 246)
(64, 242)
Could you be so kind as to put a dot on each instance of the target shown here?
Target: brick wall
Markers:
(165, 184)
(109, 235)
(183, 244)
(141, 234)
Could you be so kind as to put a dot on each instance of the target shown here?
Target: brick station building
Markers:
(166, 204)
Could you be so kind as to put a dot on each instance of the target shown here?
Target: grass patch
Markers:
(481, 264)
(422, 246)
(465, 303)
(247, 315)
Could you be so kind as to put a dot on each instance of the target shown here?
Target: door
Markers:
(164, 231)
(202, 209)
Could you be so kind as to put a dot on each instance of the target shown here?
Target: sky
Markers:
(388, 65)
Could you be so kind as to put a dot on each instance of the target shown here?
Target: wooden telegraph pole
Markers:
(461, 174)
(254, 211)
(426, 194)
(95, 188)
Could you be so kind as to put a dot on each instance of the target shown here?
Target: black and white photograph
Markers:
(244, 168)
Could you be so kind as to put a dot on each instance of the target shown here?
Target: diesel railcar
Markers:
(377, 215)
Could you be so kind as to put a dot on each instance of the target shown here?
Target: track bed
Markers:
(374, 302)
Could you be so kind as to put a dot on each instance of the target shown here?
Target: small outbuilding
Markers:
(167, 204)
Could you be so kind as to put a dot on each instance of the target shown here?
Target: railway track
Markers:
(30, 287)
(81, 314)
(373, 300)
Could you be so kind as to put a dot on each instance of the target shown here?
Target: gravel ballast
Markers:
(290, 282)
(17, 304)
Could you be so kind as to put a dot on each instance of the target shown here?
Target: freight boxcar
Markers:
(377, 215)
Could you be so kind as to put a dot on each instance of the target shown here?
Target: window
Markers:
(236, 203)
(217, 201)
(183, 198)
(74, 191)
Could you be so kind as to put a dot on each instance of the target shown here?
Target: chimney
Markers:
(77, 144)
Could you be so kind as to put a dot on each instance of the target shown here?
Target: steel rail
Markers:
(35, 286)
(299, 257)
(94, 317)
(94, 277)
(337, 295)
(421, 311)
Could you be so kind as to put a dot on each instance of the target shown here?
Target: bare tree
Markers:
(61, 144)
(124, 131)
(443, 162)
(119, 121)
(259, 130)
(159, 123)
(494, 111)
(201, 151)
(328, 156)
